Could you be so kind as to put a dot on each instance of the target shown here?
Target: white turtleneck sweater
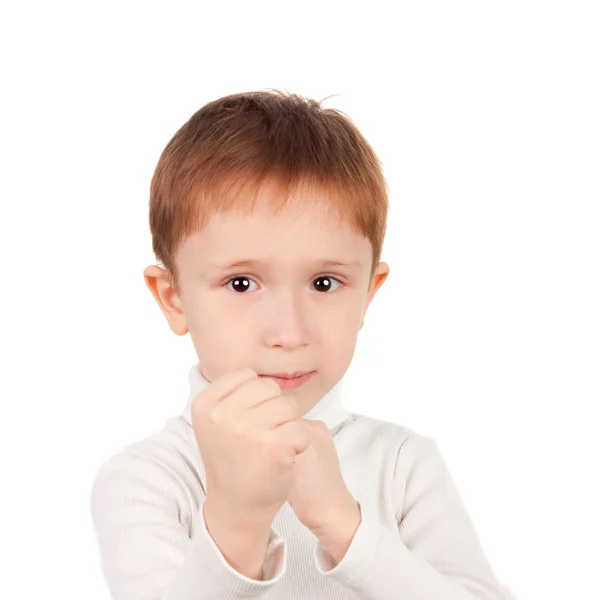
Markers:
(416, 540)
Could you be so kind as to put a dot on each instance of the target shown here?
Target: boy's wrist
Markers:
(242, 542)
(240, 517)
(337, 537)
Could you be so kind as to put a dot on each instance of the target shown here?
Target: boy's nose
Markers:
(285, 322)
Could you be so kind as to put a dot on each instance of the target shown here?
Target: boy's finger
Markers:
(221, 387)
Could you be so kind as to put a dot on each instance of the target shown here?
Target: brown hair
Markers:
(239, 141)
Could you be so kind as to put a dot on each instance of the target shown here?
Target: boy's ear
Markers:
(158, 282)
(380, 275)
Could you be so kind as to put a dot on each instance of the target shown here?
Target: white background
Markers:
(485, 336)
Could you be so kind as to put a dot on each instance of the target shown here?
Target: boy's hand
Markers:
(248, 435)
(319, 495)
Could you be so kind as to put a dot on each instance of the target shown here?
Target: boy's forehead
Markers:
(305, 224)
(262, 228)
(237, 239)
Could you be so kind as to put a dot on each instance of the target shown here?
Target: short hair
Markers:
(239, 141)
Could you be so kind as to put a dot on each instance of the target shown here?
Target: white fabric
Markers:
(416, 540)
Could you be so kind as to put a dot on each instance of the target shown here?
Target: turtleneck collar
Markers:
(330, 409)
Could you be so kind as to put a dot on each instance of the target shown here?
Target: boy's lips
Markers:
(286, 375)
(286, 382)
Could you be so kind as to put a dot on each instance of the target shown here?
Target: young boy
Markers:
(265, 486)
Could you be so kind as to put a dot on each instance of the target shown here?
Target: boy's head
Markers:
(276, 179)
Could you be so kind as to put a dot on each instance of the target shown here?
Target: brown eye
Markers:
(324, 285)
(240, 284)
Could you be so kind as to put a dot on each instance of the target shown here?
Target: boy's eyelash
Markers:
(326, 275)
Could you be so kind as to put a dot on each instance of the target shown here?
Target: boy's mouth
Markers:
(290, 380)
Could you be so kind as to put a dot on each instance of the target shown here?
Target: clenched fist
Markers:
(248, 435)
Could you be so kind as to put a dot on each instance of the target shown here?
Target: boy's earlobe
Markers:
(157, 280)
(383, 270)
(380, 275)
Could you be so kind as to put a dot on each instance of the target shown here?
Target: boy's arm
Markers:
(435, 554)
(146, 552)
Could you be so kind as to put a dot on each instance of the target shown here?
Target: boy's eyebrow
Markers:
(252, 262)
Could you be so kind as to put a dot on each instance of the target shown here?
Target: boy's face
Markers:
(288, 314)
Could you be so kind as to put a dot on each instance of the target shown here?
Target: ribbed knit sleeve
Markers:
(434, 555)
(146, 552)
